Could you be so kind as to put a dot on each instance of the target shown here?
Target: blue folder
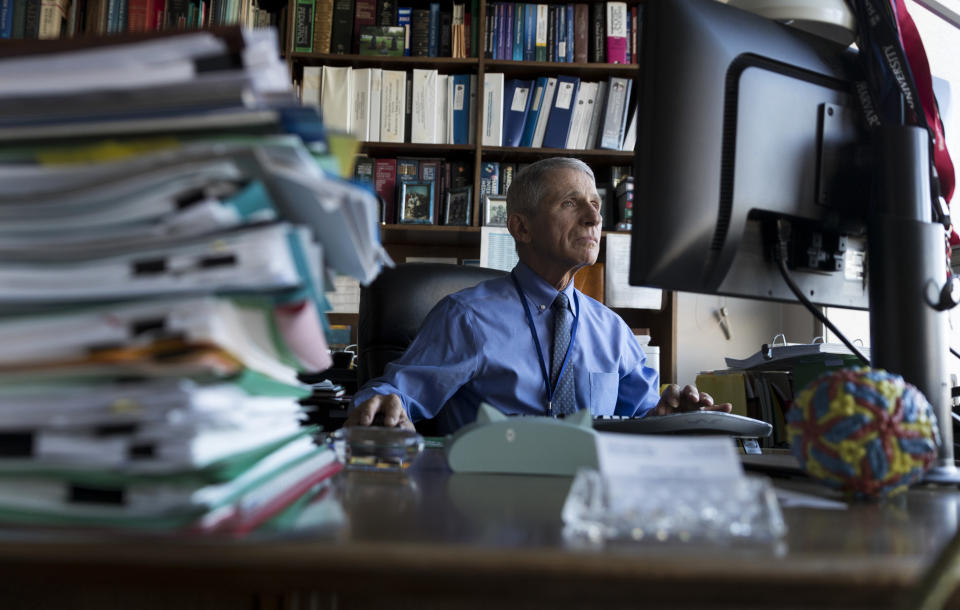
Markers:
(561, 112)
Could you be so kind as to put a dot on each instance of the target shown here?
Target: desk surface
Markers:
(431, 538)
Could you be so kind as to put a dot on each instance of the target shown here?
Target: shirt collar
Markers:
(540, 292)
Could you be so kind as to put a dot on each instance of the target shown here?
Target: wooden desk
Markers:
(437, 540)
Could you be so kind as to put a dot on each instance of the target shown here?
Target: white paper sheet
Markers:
(617, 289)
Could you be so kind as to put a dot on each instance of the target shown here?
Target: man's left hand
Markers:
(675, 400)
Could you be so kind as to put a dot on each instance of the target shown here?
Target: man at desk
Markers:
(528, 343)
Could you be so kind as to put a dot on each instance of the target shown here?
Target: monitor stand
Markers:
(907, 268)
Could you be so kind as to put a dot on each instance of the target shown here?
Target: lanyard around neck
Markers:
(536, 342)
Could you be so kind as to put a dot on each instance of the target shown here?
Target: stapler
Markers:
(523, 445)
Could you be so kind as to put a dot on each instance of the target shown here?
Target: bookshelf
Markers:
(463, 242)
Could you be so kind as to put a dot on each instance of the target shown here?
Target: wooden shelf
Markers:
(430, 235)
(526, 154)
(405, 149)
(540, 68)
(444, 64)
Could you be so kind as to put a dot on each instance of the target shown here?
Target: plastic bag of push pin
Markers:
(376, 448)
(729, 511)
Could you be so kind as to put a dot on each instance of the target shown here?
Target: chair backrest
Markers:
(393, 307)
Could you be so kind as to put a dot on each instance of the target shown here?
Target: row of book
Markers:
(614, 185)
(596, 32)
(558, 112)
(52, 19)
(377, 105)
(382, 27)
(166, 236)
(415, 190)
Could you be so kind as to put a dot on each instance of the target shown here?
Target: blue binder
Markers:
(461, 108)
(517, 95)
(561, 112)
(530, 125)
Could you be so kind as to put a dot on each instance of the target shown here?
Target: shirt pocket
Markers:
(604, 389)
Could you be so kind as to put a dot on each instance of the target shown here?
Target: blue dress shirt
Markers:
(476, 346)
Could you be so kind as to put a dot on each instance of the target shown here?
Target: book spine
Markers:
(404, 15)
(445, 48)
(552, 33)
(489, 47)
(6, 19)
(598, 33)
(508, 30)
(322, 25)
(501, 31)
(341, 34)
(433, 34)
(518, 32)
(365, 13)
(570, 33)
(386, 12)
(303, 26)
(581, 29)
(31, 19)
(385, 184)
(18, 18)
(616, 32)
(543, 15)
(472, 21)
(530, 32)
(420, 33)
(489, 178)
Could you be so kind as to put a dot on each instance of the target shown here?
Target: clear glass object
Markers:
(376, 448)
(726, 511)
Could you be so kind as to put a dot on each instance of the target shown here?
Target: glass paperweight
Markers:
(376, 447)
(731, 510)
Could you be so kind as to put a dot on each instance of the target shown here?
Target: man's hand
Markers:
(388, 407)
(675, 400)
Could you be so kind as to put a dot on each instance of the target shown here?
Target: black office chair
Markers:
(393, 307)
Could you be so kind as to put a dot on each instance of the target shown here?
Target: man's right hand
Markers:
(389, 407)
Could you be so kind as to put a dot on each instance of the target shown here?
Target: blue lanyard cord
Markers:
(536, 342)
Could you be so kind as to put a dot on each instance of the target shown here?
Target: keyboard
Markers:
(689, 422)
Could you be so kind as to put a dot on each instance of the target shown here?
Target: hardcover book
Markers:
(303, 26)
(341, 34)
(365, 13)
(420, 33)
(385, 184)
(616, 32)
(598, 33)
(322, 26)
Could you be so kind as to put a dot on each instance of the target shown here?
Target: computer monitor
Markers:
(749, 137)
(741, 119)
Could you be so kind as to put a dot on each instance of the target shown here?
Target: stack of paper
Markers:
(166, 233)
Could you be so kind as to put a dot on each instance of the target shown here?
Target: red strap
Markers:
(920, 67)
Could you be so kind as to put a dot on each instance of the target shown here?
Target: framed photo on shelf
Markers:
(379, 40)
(416, 203)
(495, 210)
(457, 208)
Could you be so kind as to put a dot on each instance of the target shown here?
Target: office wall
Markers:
(701, 344)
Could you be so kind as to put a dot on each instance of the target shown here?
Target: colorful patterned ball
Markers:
(863, 431)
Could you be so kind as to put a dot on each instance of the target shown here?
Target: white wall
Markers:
(701, 344)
